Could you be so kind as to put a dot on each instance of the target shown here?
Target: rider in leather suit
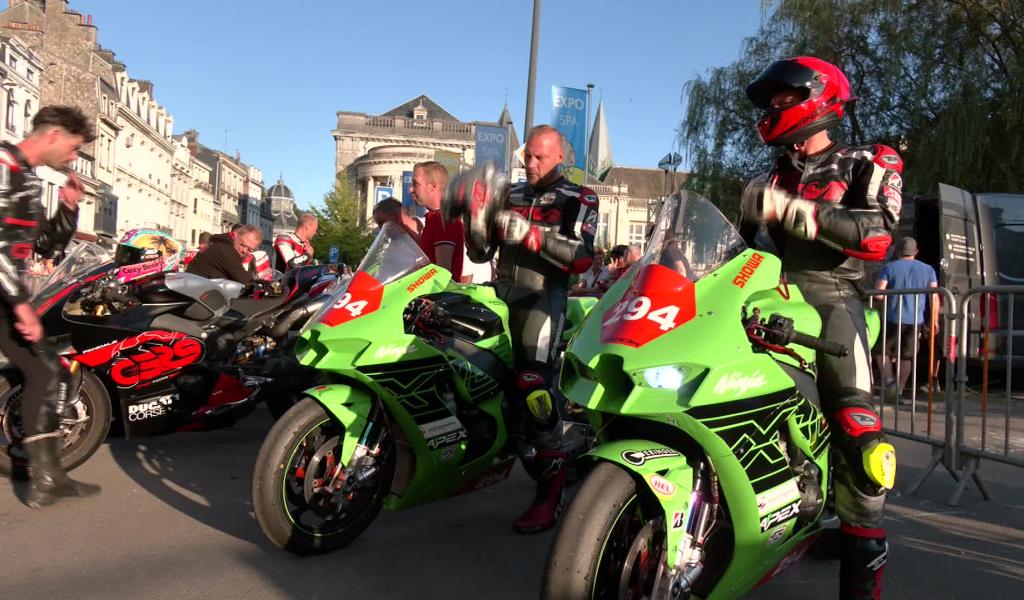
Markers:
(544, 233)
(827, 208)
(57, 133)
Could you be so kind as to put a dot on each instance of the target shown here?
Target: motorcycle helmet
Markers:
(823, 90)
(143, 245)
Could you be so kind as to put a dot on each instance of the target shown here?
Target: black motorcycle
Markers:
(154, 353)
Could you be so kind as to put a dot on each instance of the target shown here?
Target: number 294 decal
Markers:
(659, 301)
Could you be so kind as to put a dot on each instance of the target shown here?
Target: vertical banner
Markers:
(452, 161)
(407, 202)
(569, 117)
(491, 145)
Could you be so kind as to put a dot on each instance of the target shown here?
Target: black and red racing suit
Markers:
(856, 193)
(533, 279)
(24, 229)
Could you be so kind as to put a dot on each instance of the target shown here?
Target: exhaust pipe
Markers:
(303, 311)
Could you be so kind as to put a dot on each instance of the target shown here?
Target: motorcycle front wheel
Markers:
(84, 424)
(608, 545)
(299, 492)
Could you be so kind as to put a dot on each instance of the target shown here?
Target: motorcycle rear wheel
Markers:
(291, 489)
(606, 545)
(85, 424)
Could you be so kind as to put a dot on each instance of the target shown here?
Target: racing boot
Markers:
(863, 552)
(547, 504)
(49, 481)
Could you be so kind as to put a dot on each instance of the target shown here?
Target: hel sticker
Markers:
(639, 457)
(780, 516)
(777, 496)
(662, 486)
(739, 384)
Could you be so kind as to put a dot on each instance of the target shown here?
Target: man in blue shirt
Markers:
(905, 314)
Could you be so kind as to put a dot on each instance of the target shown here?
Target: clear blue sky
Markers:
(275, 73)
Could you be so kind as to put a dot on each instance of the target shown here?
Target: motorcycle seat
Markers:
(250, 308)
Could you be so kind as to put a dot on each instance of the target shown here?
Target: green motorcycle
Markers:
(413, 409)
(696, 371)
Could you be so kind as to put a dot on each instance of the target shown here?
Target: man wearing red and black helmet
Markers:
(828, 207)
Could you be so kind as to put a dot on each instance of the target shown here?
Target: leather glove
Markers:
(513, 227)
(801, 219)
(763, 203)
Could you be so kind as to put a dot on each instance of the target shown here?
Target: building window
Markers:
(11, 104)
(601, 240)
(28, 115)
(636, 234)
(30, 75)
(12, 60)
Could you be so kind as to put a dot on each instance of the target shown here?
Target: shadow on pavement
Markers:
(423, 552)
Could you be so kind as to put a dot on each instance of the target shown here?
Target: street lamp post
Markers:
(532, 77)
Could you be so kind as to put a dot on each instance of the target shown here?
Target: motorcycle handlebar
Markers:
(819, 344)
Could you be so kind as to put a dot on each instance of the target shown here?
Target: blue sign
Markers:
(332, 254)
(382, 193)
(569, 117)
(410, 205)
(491, 145)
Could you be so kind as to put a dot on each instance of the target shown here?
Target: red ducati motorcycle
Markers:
(151, 352)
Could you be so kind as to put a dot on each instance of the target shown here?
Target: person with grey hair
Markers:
(224, 257)
(294, 249)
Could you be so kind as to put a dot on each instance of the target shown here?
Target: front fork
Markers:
(363, 465)
(699, 519)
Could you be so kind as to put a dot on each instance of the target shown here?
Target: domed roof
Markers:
(280, 190)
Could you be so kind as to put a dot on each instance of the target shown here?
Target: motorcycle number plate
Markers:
(659, 301)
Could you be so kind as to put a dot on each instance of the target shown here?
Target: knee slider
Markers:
(879, 460)
(862, 434)
(540, 405)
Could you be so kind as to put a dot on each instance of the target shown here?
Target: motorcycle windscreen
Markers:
(690, 240)
(392, 255)
(81, 259)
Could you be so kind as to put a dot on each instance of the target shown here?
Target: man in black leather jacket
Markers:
(57, 134)
(544, 233)
(827, 207)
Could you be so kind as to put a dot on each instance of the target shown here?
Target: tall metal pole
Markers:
(587, 132)
(532, 78)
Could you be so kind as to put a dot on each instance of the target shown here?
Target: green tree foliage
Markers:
(340, 224)
(942, 81)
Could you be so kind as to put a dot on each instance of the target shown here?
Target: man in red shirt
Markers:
(441, 241)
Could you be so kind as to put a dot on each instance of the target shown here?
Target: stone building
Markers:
(181, 190)
(20, 72)
(78, 72)
(145, 147)
(282, 207)
(375, 150)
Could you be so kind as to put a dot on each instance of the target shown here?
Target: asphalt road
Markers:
(174, 521)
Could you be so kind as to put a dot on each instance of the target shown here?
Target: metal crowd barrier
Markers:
(977, 435)
(903, 412)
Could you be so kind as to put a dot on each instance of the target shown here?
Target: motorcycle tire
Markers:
(80, 441)
(583, 542)
(277, 484)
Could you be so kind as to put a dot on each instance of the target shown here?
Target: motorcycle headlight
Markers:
(665, 377)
